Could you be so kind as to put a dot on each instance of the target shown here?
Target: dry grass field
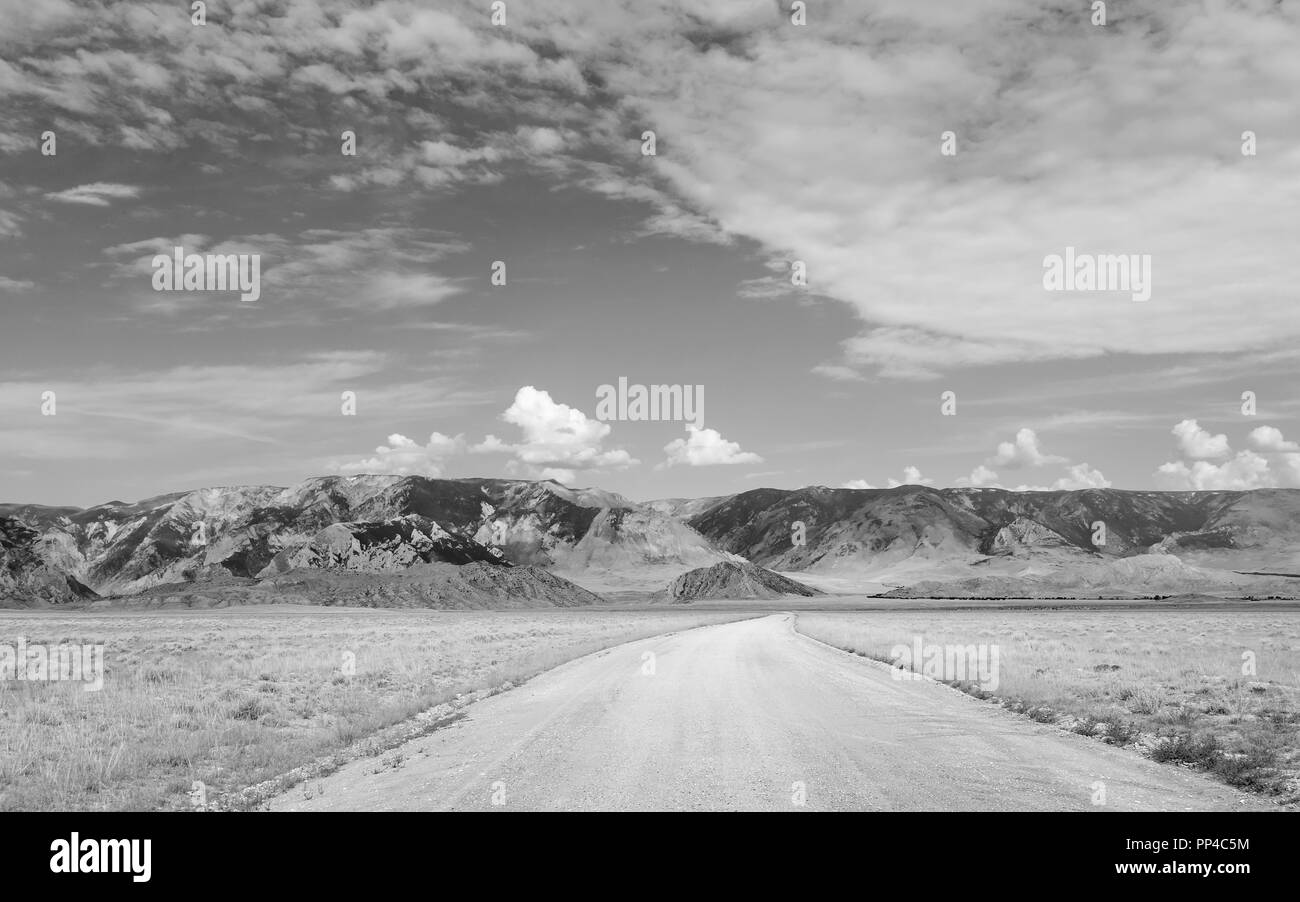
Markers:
(1174, 684)
(233, 697)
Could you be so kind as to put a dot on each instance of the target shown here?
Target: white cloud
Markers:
(1247, 470)
(372, 269)
(857, 484)
(402, 456)
(911, 476)
(96, 194)
(755, 151)
(1199, 444)
(1269, 438)
(145, 249)
(1023, 452)
(557, 442)
(748, 151)
(541, 140)
(490, 445)
(1081, 476)
(390, 290)
(704, 448)
(1283, 455)
(980, 476)
(556, 437)
(1276, 463)
(15, 285)
(9, 227)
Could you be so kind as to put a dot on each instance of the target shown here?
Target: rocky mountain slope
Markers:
(380, 546)
(369, 524)
(684, 508)
(25, 576)
(939, 541)
(734, 580)
(915, 534)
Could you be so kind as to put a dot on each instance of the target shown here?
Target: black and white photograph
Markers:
(650, 406)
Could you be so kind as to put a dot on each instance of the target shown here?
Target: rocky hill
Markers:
(477, 585)
(1140, 576)
(734, 580)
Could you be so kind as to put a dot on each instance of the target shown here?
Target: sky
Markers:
(918, 162)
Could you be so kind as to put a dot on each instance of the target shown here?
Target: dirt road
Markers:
(750, 716)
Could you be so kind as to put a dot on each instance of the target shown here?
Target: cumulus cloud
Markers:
(857, 484)
(556, 437)
(1274, 463)
(1247, 470)
(1283, 455)
(557, 442)
(1199, 444)
(705, 448)
(980, 476)
(541, 139)
(1270, 438)
(1081, 476)
(401, 456)
(1023, 452)
(911, 476)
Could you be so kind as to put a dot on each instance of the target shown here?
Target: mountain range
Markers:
(489, 542)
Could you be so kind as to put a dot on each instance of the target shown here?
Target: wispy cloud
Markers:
(96, 194)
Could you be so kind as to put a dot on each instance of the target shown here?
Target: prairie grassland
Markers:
(1175, 685)
(234, 697)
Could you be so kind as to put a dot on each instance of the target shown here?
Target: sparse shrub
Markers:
(1187, 748)
(1254, 770)
(249, 709)
(1042, 714)
(1120, 732)
(970, 688)
(1087, 726)
(1144, 702)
